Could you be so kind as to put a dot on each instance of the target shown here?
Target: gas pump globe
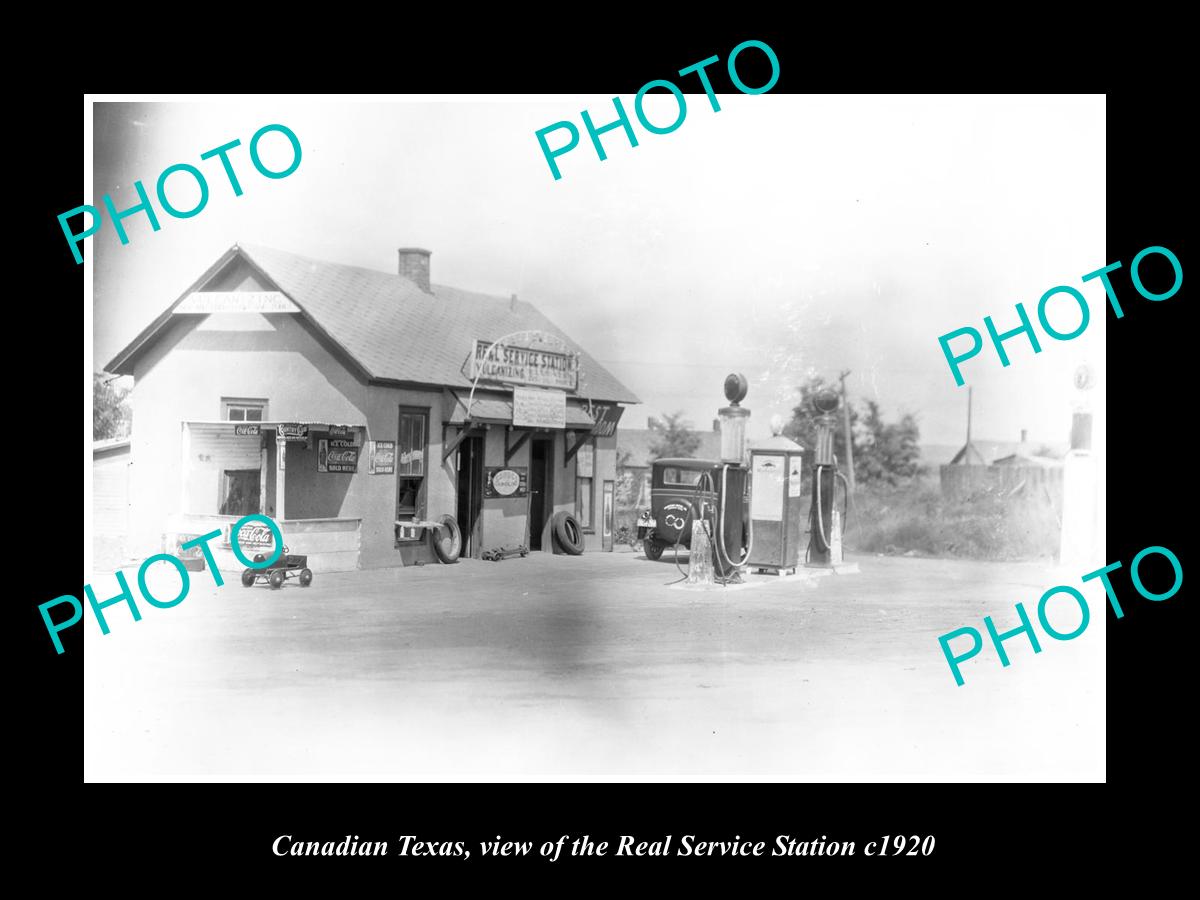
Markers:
(733, 420)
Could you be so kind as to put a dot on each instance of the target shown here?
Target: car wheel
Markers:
(653, 549)
(248, 577)
(276, 579)
(305, 577)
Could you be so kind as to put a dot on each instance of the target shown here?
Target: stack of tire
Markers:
(568, 536)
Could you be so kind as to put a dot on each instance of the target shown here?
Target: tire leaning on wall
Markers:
(447, 541)
(568, 533)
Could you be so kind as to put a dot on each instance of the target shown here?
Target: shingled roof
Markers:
(393, 330)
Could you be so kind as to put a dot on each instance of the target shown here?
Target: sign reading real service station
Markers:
(521, 365)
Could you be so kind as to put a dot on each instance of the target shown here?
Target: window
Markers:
(239, 492)
(675, 475)
(584, 470)
(583, 503)
(411, 451)
(234, 410)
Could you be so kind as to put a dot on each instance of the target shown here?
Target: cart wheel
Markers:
(305, 577)
(248, 577)
(276, 578)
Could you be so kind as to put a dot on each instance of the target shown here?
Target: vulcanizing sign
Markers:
(521, 365)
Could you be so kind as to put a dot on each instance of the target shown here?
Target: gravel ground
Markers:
(555, 667)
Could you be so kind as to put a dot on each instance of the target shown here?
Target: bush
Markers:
(913, 517)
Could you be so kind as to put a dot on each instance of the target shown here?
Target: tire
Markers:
(305, 577)
(448, 542)
(653, 549)
(248, 577)
(276, 579)
(568, 533)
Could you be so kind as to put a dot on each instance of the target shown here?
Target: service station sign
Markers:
(533, 408)
(520, 365)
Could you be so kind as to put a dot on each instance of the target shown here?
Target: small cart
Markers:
(289, 565)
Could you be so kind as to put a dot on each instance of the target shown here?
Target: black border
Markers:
(983, 831)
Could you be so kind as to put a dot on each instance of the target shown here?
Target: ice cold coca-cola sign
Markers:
(253, 534)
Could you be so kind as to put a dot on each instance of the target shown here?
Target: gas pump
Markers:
(825, 524)
(775, 503)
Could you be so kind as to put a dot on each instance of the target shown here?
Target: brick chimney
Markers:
(414, 265)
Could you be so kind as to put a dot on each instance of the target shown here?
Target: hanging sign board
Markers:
(336, 456)
(533, 408)
(208, 302)
(505, 481)
(381, 457)
(520, 365)
(291, 431)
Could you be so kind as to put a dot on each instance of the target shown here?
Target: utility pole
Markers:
(969, 390)
(849, 439)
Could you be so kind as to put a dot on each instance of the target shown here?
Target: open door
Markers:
(541, 489)
(470, 494)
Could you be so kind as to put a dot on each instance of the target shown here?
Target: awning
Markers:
(498, 409)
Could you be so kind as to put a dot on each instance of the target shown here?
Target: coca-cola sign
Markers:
(254, 535)
(336, 456)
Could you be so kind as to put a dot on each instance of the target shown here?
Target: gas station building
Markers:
(343, 402)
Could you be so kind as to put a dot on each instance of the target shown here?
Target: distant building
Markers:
(1011, 467)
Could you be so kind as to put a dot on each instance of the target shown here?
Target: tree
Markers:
(883, 451)
(111, 415)
(889, 452)
(674, 437)
(803, 427)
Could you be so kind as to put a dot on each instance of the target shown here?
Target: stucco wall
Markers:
(198, 360)
(275, 357)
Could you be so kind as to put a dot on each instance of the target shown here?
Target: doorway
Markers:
(470, 493)
(541, 489)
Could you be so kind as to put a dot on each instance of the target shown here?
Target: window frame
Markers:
(587, 526)
(699, 473)
(423, 413)
(228, 404)
(223, 484)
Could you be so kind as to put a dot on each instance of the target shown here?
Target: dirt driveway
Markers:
(591, 668)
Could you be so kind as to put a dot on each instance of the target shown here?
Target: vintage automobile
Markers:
(678, 489)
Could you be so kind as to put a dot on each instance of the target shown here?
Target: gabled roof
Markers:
(391, 329)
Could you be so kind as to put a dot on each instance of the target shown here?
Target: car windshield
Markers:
(676, 475)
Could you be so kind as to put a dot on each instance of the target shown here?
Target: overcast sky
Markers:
(783, 234)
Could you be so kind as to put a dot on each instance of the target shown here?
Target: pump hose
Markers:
(719, 541)
(696, 496)
(705, 483)
(820, 532)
